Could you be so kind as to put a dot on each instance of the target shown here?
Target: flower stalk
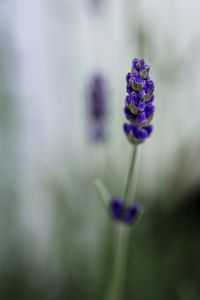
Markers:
(131, 174)
(139, 111)
(118, 280)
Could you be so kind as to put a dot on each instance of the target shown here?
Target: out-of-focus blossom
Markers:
(120, 212)
(97, 95)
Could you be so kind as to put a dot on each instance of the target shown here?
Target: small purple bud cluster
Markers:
(139, 108)
(97, 107)
(124, 214)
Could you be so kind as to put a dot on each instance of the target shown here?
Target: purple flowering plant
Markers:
(139, 111)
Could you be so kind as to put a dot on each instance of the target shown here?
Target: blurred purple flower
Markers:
(124, 214)
(97, 95)
(139, 108)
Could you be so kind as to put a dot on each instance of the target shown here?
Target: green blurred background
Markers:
(56, 240)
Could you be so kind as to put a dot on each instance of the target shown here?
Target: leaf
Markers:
(104, 195)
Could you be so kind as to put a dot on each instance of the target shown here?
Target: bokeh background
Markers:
(56, 240)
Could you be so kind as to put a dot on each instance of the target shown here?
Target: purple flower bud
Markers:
(129, 88)
(136, 82)
(141, 95)
(139, 109)
(116, 207)
(135, 103)
(136, 134)
(137, 64)
(140, 134)
(149, 110)
(144, 71)
(129, 115)
(121, 213)
(151, 100)
(149, 89)
(127, 129)
(149, 129)
(131, 213)
(128, 77)
(141, 118)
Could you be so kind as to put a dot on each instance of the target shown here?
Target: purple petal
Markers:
(131, 213)
(116, 207)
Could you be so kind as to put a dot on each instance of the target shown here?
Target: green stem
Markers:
(122, 244)
(117, 283)
(130, 175)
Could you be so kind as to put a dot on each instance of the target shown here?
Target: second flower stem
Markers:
(117, 283)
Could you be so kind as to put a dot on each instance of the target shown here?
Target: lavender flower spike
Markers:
(139, 111)
(139, 103)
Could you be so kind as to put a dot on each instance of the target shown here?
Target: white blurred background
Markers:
(48, 51)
